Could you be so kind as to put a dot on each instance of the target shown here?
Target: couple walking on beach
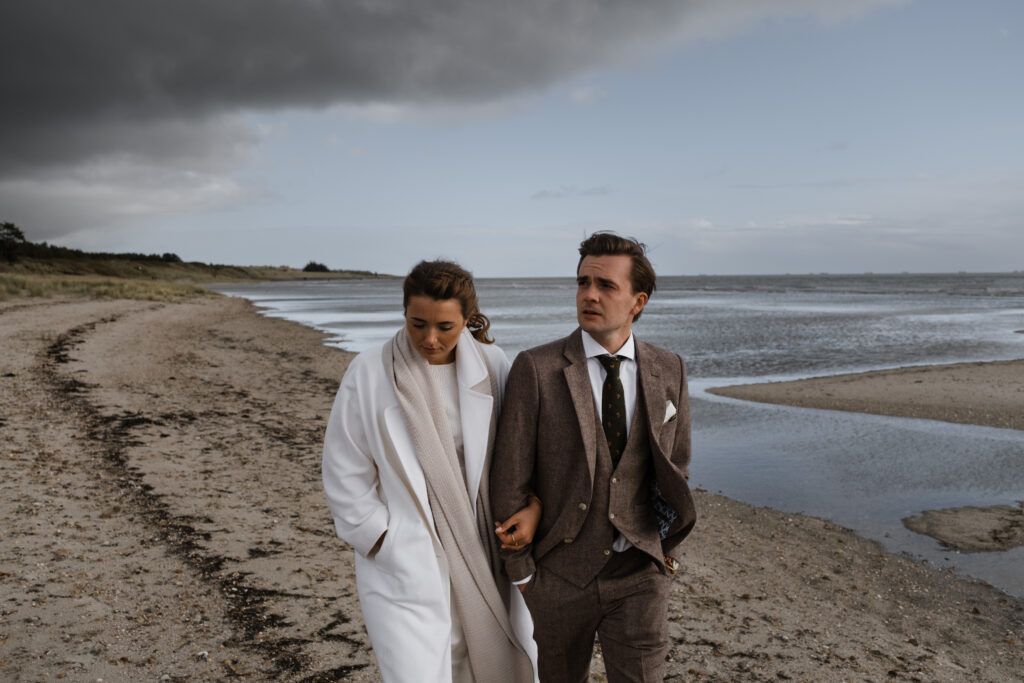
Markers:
(501, 518)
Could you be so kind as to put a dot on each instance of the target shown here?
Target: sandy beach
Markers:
(162, 518)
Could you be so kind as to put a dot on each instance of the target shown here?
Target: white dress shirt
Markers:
(627, 375)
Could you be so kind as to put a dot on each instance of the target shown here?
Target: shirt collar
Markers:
(592, 348)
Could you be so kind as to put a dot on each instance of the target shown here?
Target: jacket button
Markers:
(566, 540)
(607, 552)
(611, 515)
(615, 480)
(582, 506)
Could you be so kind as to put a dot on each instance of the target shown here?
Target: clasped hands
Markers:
(517, 531)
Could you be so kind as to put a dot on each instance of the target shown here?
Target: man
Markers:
(597, 426)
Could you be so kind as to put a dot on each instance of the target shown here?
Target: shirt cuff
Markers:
(621, 544)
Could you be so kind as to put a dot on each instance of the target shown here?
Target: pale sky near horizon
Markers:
(732, 136)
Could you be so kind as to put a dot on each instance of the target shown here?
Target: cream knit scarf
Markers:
(470, 547)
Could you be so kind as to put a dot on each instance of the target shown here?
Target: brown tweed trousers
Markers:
(551, 443)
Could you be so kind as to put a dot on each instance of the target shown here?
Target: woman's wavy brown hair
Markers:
(446, 280)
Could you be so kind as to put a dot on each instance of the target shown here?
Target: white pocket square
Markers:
(670, 412)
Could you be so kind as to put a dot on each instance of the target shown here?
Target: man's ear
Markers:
(641, 301)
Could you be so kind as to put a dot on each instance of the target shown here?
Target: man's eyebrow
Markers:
(603, 281)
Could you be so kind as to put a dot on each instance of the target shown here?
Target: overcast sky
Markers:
(732, 136)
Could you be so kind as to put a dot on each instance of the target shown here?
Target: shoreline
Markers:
(978, 393)
(163, 515)
(987, 393)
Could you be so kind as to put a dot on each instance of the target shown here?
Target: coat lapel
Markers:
(396, 432)
(476, 405)
(578, 378)
(652, 389)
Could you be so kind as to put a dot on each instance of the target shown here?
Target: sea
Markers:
(864, 472)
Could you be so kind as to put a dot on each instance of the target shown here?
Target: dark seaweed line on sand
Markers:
(247, 608)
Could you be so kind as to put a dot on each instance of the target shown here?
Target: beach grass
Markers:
(150, 279)
(34, 285)
(175, 271)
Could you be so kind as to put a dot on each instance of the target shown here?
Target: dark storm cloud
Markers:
(69, 68)
(111, 110)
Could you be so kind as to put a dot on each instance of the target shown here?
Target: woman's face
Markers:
(434, 327)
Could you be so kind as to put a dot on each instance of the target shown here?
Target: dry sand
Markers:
(161, 518)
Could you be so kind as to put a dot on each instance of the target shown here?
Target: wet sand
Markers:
(162, 516)
(990, 394)
(973, 529)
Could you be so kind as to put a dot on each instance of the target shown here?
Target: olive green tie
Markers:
(613, 407)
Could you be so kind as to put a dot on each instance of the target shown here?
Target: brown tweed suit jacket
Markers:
(547, 445)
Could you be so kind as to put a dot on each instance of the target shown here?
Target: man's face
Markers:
(605, 300)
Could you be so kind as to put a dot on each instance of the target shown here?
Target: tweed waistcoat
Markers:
(619, 503)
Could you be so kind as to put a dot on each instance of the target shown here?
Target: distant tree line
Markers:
(13, 246)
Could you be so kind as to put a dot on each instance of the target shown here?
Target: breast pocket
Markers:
(667, 436)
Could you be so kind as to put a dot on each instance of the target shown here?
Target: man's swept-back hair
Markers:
(442, 280)
(606, 243)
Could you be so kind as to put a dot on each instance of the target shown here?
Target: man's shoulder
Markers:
(655, 352)
(657, 357)
(550, 350)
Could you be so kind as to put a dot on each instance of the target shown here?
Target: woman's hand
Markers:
(376, 546)
(517, 531)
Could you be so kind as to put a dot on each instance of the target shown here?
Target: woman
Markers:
(406, 454)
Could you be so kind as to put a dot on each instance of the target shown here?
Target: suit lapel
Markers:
(652, 389)
(578, 378)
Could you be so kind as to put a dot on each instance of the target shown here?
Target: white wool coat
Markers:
(404, 589)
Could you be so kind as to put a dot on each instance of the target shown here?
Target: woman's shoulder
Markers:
(494, 354)
(365, 365)
(492, 350)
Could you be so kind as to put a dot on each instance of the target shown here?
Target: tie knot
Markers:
(610, 363)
